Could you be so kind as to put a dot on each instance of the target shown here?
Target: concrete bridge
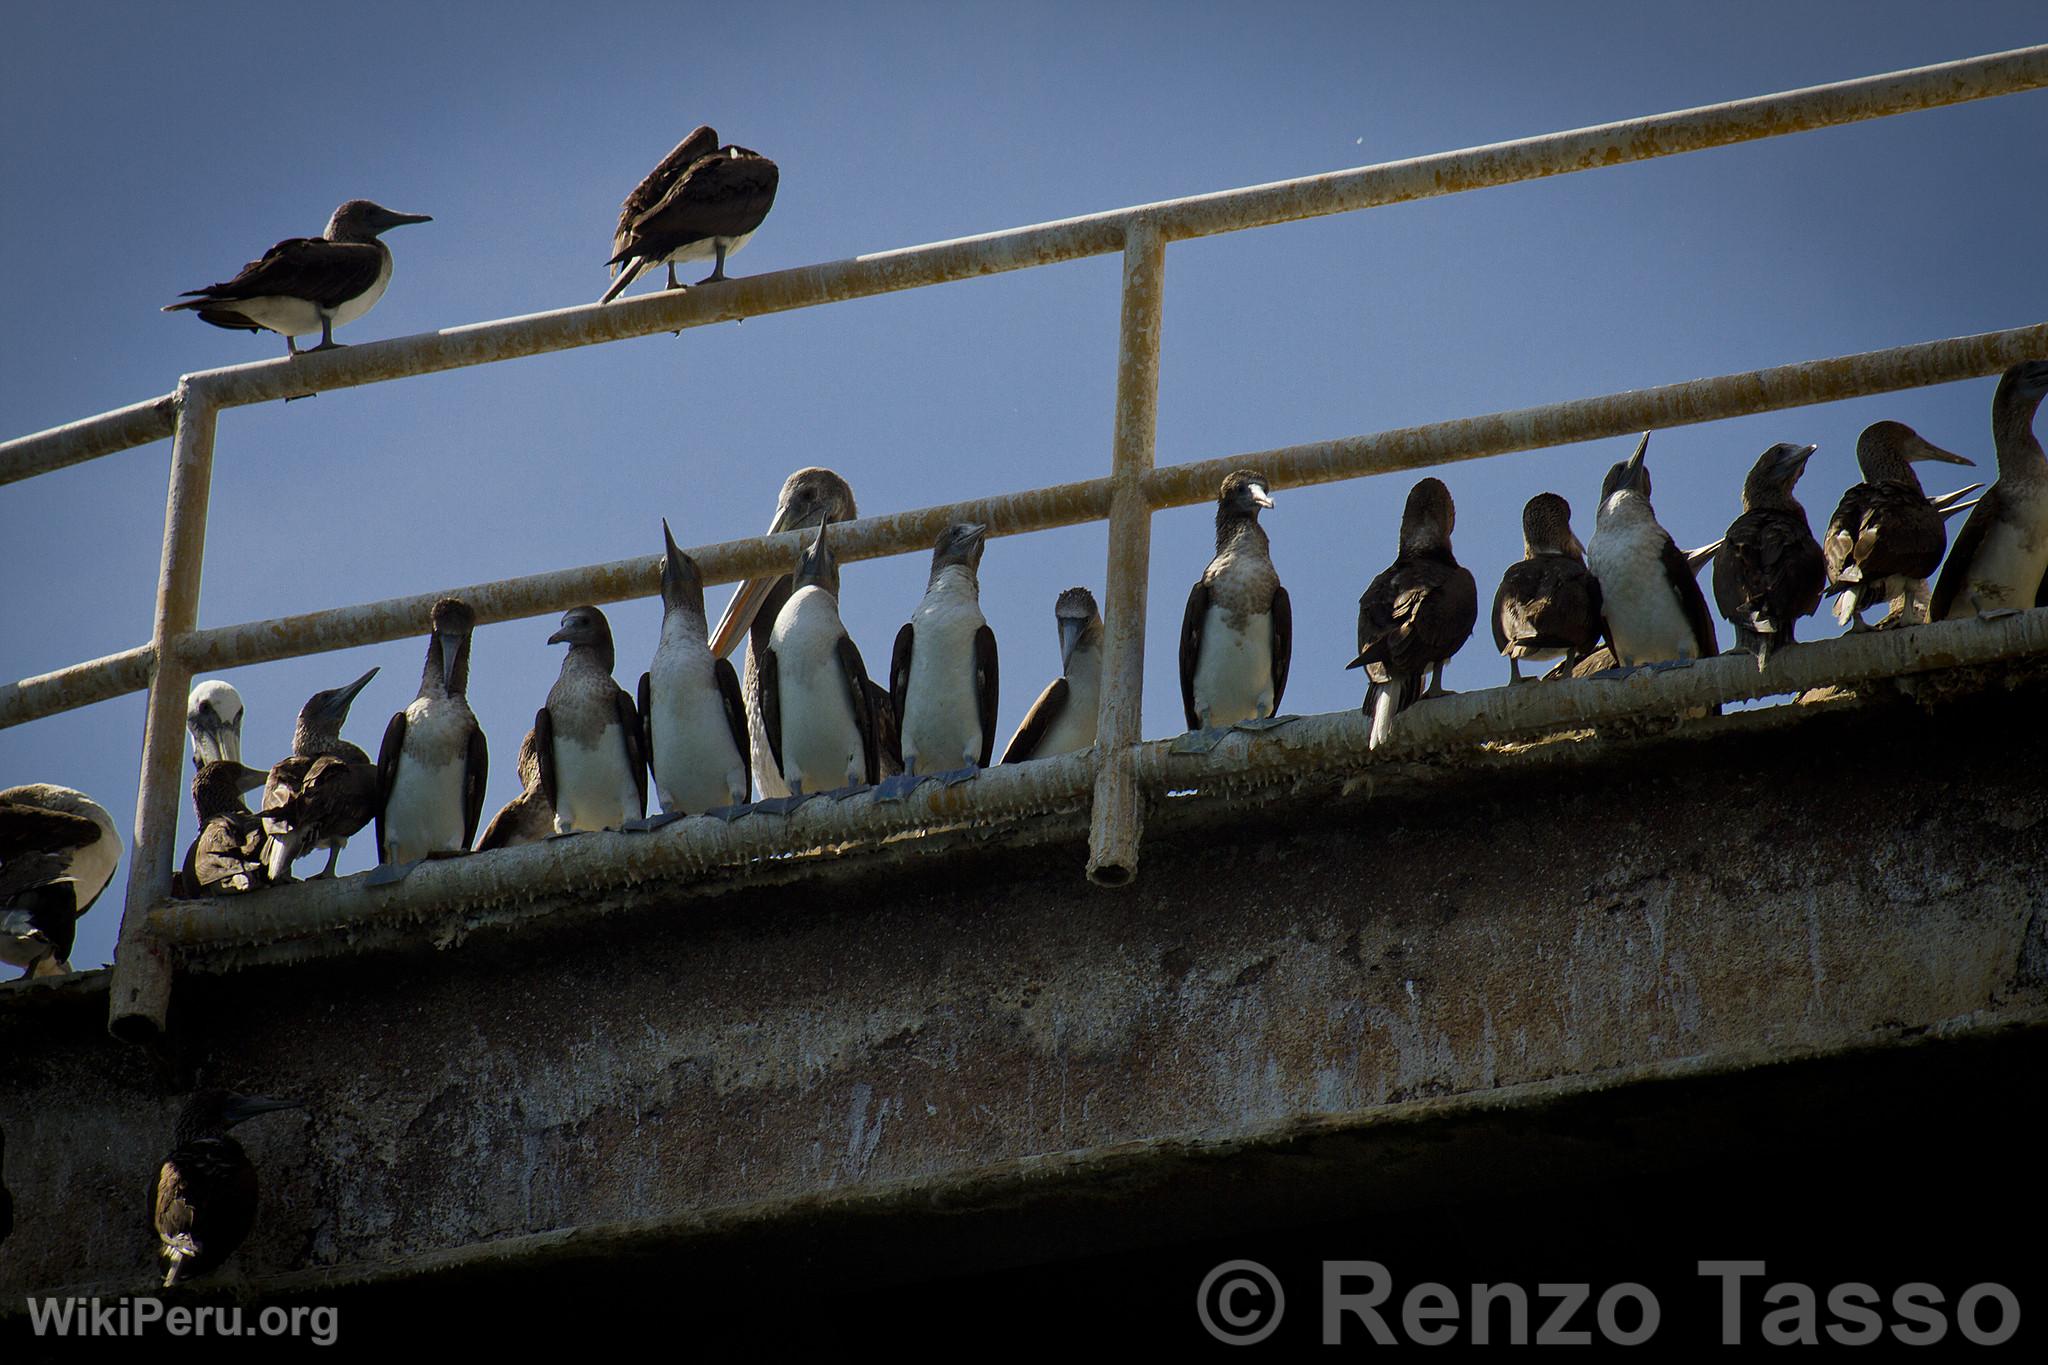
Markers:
(1631, 960)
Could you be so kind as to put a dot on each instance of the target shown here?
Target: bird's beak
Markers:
(1070, 639)
(346, 697)
(1948, 504)
(402, 219)
(215, 741)
(560, 637)
(244, 1107)
(452, 643)
(249, 779)
(746, 603)
(1635, 461)
(1573, 545)
(1921, 449)
(1261, 496)
(1697, 559)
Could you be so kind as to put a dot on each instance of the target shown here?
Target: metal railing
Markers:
(1115, 775)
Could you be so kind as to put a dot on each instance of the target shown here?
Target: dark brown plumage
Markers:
(1770, 570)
(703, 200)
(1548, 604)
(1416, 614)
(347, 803)
(58, 849)
(1885, 537)
(203, 1201)
(527, 818)
(227, 855)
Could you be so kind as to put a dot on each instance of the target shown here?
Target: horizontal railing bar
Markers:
(1338, 740)
(81, 684)
(1453, 172)
(1798, 384)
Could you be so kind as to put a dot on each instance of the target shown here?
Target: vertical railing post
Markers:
(1117, 818)
(142, 976)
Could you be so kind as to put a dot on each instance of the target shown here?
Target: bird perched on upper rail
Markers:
(203, 1201)
(943, 678)
(693, 719)
(307, 284)
(227, 855)
(1653, 605)
(434, 763)
(527, 818)
(1237, 634)
(814, 685)
(1548, 605)
(2000, 559)
(58, 850)
(702, 201)
(1770, 570)
(809, 497)
(348, 798)
(587, 737)
(1886, 537)
(1417, 613)
(1062, 720)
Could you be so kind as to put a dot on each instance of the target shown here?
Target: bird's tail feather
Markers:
(1384, 701)
(627, 274)
(177, 1250)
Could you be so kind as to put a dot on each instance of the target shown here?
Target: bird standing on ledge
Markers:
(204, 1200)
(1417, 613)
(1770, 570)
(1063, 718)
(306, 284)
(587, 737)
(692, 717)
(943, 676)
(1654, 608)
(58, 850)
(1886, 537)
(2000, 560)
(434, 763)
(1237, 634)
(702, 202)
(1548, 605)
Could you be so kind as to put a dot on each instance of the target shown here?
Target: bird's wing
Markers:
(986, 686)
(735, 716)
(1691, 599)
(719, 196)
(888, 734)
(647, 722)
(1191, 647)
(544, 752)
(327, 274)
(857, 696)
(476, 773)
(636, 755)
(770, 674)
(25, 828)
(700, 143)
(1283, 642)
(387, 771)
(899, 671)
(1051, 702)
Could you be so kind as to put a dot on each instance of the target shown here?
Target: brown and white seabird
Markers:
(58, 850)
(943, 677)
(1548, 604)
(213, 717)
(1417, 613)
(1062, 720)
(809, 497)
(693, 717)
(1653, 605)
(587, 737)
(702, 202)
(203, 1201)
(433, 764)
(527, 818)
(1237, 634)
(1886, 537)
(1999, 562)
(819, 723)
(1770, 570)
(227, 855)
(348, 798)
(308, 284)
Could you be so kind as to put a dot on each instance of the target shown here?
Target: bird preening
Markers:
(701, 203)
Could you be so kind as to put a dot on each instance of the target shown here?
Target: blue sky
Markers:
(150, 152)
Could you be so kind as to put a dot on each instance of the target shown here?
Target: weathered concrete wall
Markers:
(987, 1030)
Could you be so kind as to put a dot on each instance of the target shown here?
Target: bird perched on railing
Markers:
(702, 201)
(347, 797)
(814, 686)
(1653, 605)
(1999, 562)
(527, 818)
(1548, 604)
(308, 284)
(226, 857)
(1062, 720)
(434, 763)
(1886, 536)
(203, 1201)
(1417, 613)
(58, 850)
(809, 497)
(943, 678)
(693, 719)
(1237, 634)
(1770, 570)
(587, 737)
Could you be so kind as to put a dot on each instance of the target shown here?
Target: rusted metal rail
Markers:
(1115, 777)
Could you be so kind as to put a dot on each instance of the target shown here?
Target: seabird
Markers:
(348, 800)
(527, 818)
(695, 723)
(58, 850)
(227, 856)
(433, 763)
(943, 679)
(2000, 559)
(204, 1200)
(306, 284)
(1237, 634)
(814, 687)
(587, 737)
(809, 497)
(213, 717)
(1770, 570)
(702, 201)
(1548, 605)
(1062, 720)
(1886, 537)
(1417, 613)
(1653, 605)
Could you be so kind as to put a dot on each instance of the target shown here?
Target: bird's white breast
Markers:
(1075, 728)
(2011, 558)
(696, 766)
(941, 706)
(594, 784)
(821, 745)
(424, 812)
(1644, 618)
(1234, 667)
(703, 249)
